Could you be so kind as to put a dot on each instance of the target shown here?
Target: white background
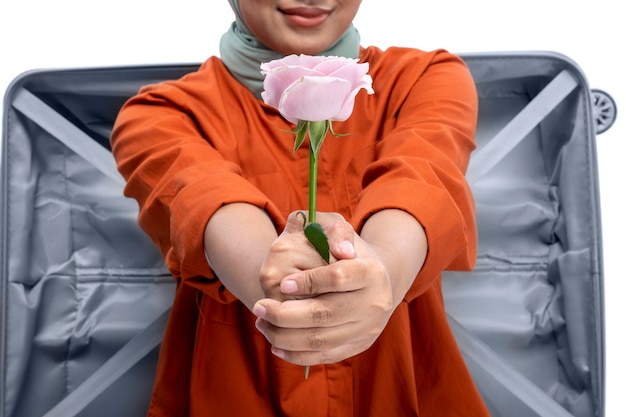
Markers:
(69, 33)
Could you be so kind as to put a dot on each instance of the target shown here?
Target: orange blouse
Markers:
(189, 146)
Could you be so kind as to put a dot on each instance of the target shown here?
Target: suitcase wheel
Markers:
(604, 110)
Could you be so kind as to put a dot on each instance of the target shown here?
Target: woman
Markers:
(218, 185)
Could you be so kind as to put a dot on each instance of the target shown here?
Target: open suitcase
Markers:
(84, 294)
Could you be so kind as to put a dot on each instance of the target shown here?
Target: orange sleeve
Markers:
(421, 163)
(177, 177)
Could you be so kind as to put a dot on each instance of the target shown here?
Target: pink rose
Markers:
(314, 88)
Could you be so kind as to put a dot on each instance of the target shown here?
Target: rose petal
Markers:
(314, 99)
(302, 60)
(305, 61)
(331, 65)
(348, 106)
(279, 79)
(353, 73)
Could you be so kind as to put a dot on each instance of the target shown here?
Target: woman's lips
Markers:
(306, 16)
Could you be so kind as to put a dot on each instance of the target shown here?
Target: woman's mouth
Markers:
(307, 17)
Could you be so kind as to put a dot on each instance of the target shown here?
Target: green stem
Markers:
(312, 203)
(312, 184)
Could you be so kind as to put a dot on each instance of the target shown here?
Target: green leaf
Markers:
(319, 240)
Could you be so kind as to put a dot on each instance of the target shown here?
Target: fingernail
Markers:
(259, 310)
(288, 286)
(260, 325)
(347, 248)
(278, 352)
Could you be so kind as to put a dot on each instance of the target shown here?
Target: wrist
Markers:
(399, 242)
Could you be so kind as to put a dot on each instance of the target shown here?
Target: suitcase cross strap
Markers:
(489, 155)
(487, 366)
(484, 362)
(67, 133)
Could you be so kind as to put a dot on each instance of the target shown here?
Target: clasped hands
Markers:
(317, 313)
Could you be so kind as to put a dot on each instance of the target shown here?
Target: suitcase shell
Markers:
(79, 279)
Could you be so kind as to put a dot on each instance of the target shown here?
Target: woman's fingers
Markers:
(327, 327)
(292, 252)
(342, 276)
(340, 235)
(328, 345)
(339, 232)
(317, 345)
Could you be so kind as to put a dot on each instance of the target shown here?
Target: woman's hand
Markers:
(341, 310)
(292, 252)
(324, 313)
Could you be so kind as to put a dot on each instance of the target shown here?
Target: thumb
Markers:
(341, 240)
(296, 221)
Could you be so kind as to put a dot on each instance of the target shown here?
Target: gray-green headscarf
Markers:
(243, 53)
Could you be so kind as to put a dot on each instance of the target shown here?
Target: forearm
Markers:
(399, 241)
(237, 240)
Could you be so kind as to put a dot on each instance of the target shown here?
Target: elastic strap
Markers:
(67, 133)
(488, 156)
(503, 387)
